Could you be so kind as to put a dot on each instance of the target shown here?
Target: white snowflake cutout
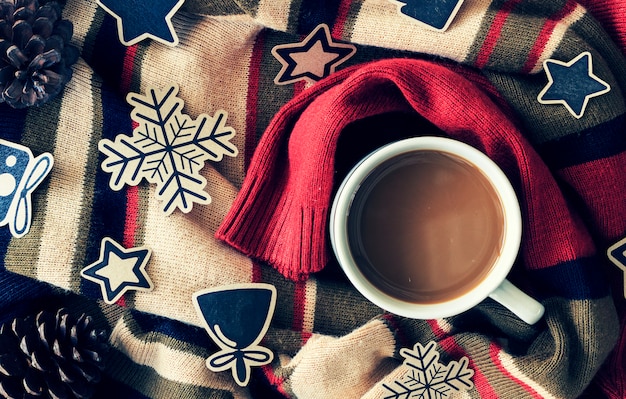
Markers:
(167, 148)
(427, 378)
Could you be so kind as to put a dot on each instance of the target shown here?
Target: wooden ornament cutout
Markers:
(138, 20)
(167, 148)
(236, 317)
(427, 378)
(312, 59)
(572, 84)
(119, 270)
(433, 14)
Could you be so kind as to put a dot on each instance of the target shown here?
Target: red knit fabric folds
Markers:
(280, 215)
(612, 16)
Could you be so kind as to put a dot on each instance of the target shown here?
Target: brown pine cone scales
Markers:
(50, 356)
(35, 52)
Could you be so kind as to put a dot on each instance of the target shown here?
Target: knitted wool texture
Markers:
(477, 82)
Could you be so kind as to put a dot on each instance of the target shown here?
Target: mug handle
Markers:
(518, 302)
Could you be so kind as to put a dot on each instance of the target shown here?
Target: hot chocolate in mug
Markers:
(429, 227)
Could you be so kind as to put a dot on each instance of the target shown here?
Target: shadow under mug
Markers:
(492, 284)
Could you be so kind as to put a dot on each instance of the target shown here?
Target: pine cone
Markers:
(50, 356)
(35, 54)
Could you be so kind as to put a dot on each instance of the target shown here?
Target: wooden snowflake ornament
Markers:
(167, 148)
(427, 378)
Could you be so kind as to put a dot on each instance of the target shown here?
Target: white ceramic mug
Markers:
(494, 284)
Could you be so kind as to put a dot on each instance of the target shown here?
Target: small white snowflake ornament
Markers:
(427, 378)
(167, 148)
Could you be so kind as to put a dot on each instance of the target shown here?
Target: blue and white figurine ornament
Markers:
(20, 174)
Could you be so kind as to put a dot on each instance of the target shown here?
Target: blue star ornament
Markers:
(119, 270)
(617, 255)
(312, 59)
(572, 84)
(140, 19)
(434, 14)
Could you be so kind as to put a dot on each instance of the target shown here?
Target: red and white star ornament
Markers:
(312, 59)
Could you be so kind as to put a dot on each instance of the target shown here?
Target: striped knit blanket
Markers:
(478, 81)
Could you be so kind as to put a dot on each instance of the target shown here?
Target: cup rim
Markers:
(512, 232)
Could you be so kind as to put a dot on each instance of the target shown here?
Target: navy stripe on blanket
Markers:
(600, 141)
(109, 388)
(11, 128)
(109, 220)
(107, 59)
(313, 13)
(172, 328)
(575, 280)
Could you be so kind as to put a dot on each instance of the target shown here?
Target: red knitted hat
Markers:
(280, 215)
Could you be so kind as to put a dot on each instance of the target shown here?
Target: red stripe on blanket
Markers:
(253, 98)
(494, 33)
(130, 223)
(132, 212)
(342, 17)
(494, 352)
(299, 309)
(439, 332)
(128, 68)
(276, 381)
(545, 33)
(299, 87)
(398, 332)
(132, 192)
(257, 272)
(132, 203)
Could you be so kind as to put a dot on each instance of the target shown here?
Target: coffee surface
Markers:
(431, 227)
